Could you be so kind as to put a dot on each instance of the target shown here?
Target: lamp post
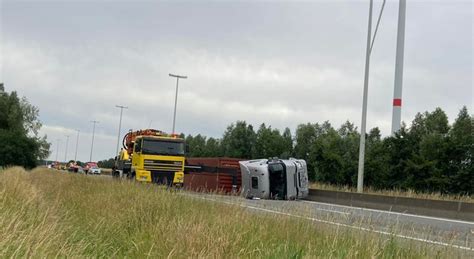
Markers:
(360, 170)
(77, 143)
(57, 149)
(65, 151)
(93, 133)
(370, 45)
(120, 126)
(176, 97)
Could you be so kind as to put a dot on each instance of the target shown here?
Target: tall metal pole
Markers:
(176, 97)
(360, 173)
(57, 149)
(397, 91)
(175, 104)
(65, 151)
(77, 143)
(120, 126)
(93, 133)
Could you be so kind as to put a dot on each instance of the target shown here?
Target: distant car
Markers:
(76, 169)
(92, 168)
(72, 167)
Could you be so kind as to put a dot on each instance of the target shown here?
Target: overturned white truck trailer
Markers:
(274, 179)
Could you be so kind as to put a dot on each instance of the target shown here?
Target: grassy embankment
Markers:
(46, 213)
(399, 193)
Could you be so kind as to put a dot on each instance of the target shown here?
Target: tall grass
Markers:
(46, 213)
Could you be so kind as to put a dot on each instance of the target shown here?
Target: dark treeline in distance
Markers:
(429, 156)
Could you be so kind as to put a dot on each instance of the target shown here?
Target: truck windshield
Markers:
(163, 147)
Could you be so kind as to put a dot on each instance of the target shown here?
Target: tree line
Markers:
(19, 132)
(430, 156)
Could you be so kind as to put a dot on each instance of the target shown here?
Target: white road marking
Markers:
(341, 224)
(333, 211)
(391, 212)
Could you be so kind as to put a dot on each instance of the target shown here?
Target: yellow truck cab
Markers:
(152, 156)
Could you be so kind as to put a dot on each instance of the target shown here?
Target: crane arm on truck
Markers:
(129, 138)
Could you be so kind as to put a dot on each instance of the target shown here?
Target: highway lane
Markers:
(435, 231)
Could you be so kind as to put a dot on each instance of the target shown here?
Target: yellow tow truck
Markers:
(151, 156)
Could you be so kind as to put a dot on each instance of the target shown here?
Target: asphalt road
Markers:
(414, 228)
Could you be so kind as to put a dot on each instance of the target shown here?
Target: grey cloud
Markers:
(278, 63)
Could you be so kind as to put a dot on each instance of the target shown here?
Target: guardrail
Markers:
(435, 208)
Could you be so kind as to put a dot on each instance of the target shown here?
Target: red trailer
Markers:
(219, 174)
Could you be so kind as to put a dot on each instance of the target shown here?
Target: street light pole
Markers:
(57, 149)
(176, 97)
(77, 142)
(360, 172)
(120, 126)
(370, 45)
(65, 151)
(93, 133)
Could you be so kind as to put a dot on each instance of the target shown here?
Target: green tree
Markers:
(197, 146)
(437, 121)
(107, 163)
(305, 136)
(425, 167)
(287, 144)
(270, 143)
(189, 143)
(325, 159)
(376, 172)
(19, 129)
(263, 142)
(349, 150)
(460, 161)
(18, 149)
(334, 154)
(398, 148)
(239, 140)
(213, 148)
(11, 115)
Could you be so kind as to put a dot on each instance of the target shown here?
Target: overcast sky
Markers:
(282, 63)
